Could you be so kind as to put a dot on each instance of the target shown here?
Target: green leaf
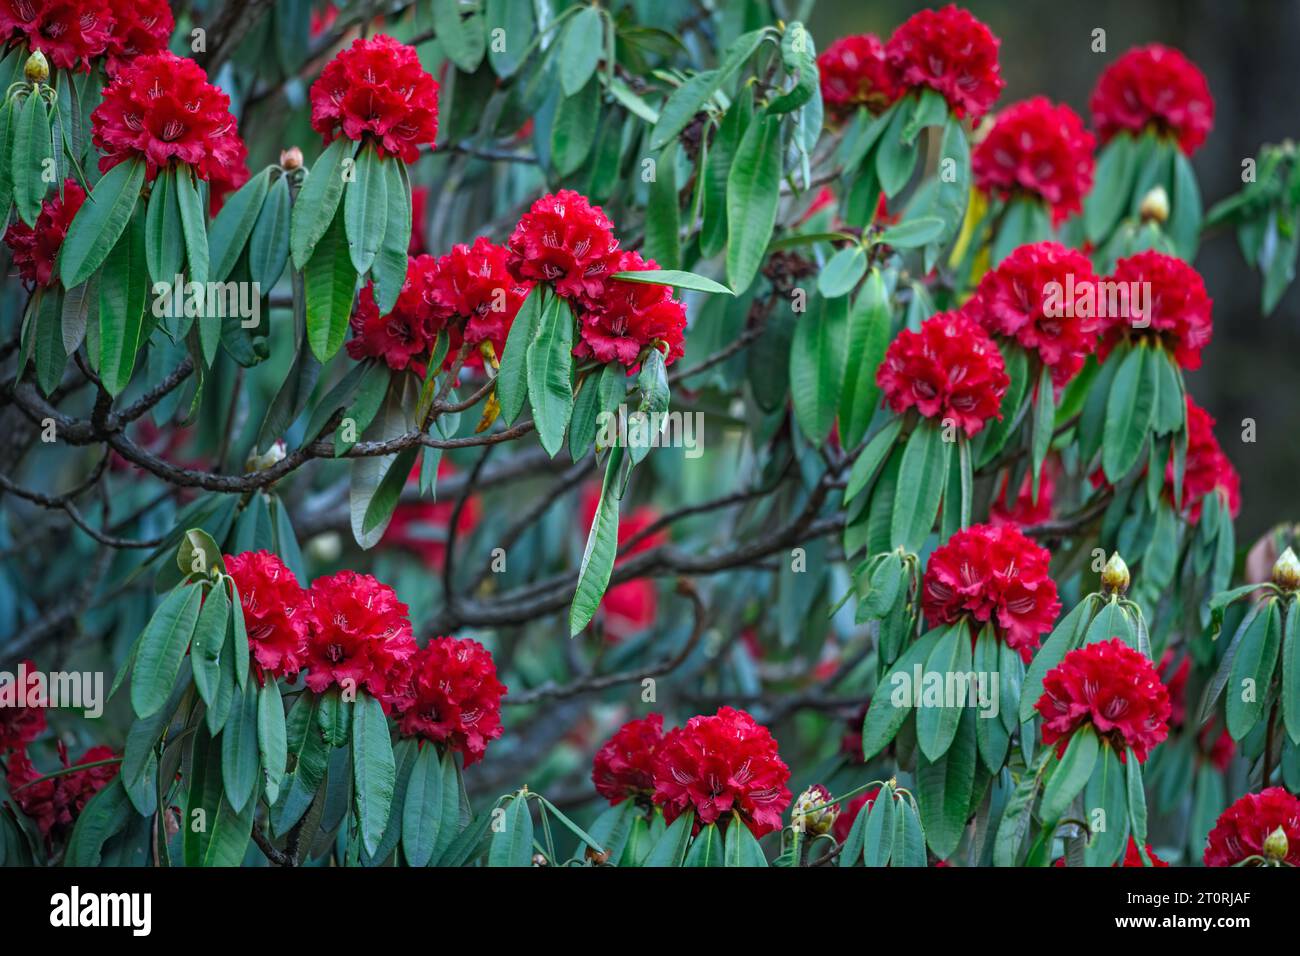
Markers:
(1044, 425)
(1053, 651)
(513, 844)
(318, 200)
(1252, 671)
(581, 48)
(944, 789)
(869, 461)
(1016, 818)
(1291, 673)
(234, 224)
(389, 270)
(895, 159)
(550, 362)
(365, 210)
(239, 750)
(675, 278)
(844, 271)
(162, 647)
(422, 817)
(573, 129)
(670, 849)
(706, 848)
(308, 757)
(374, 770)
(512, 379)
(51, 359)
(1070, 774)
(602, 546)
(334, 717)
(868, 338)
(912, 233)
(689, 98)
(9, 112)
(924, 472)
(1113, 184)
(100, 221)
(194, 227)
(32, 150)
(331, 283)
(936, 726)
(663, 214)
(1106, 791)
(268, 247)
(1185, 217)
(742, 847)
(164, 240)
(884, 717)
(209, 637)
(462, 38)
(123, 294)
(753, 194)
(379, 509)
(1129, 411)
(104, 815)
(272, 739)
(817, 358)
(1137, 798)
(878, 836)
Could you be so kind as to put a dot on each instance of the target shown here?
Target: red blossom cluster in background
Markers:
(949, 371)
(1040, 149)
(35, 249)
(55, 804)
(1206, 468)
(1243, 829)
(1154, 86)
(712, 766)
(854, 73)
(992, 574)
(21, 724)
(1111, 687)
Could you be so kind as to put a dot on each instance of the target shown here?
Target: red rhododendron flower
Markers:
(22, 708)
(854, 73)
(1112, 687)
(476, 297)
(162, 108)
(566, 241)
(359, 636)
(844, 822)
(950, 51)
(36, 248)
(421, 526)
(1177, 311)
(1030, 297)
(1154, 85)
(624, 767)
(377, 90)
(405, 334)
(1175, 681)
(718, 764)
(632, 606)
(630, 316)
(1024, 511)
(54, 805)
(951, 369)
(992, 574)
(1242, 828)
(419, 213)
(140, 28)
(275, 611)
(1218, 750)
(454, 697)
(1039, 149)
(227, 171)
(69, 32)
(1206, 468)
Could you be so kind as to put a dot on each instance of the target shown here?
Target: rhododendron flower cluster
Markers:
(1156, 86)
(1177, 310)
(376, 90)
(992, 574)
(55, 804)
(567, 242)
(1041, 149)
(69, 32)
(161, 108)
(20, 724)
(274, 607)
(949, 370)
(1242, 829)
(454, 697)
(624, 766)
(1111, 687)
(854, 73)
(1206, 467)
(360, 637)
(1024, 297)
(35, 249)
(950, 51)
(407, 333)
(719, 764)
(140, 28)
(476, 298)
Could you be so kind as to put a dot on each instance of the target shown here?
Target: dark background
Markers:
(1250, 53)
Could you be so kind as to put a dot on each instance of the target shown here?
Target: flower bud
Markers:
(1114, 576)
(273, 455)
(539, 860)
(291, 159)
(1276, 846)
(1155, 206)
(813, 812)
(1286, 571)
(325, 548)
(37, 68)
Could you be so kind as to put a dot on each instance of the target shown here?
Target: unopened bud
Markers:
(813, 812)
(1286, 571)
(1155, 206)
(37, 68)
(269, 458)
(597, 857)
(1114, 576)
(290, 159)
(1276, 846)
(539, 860)
(325, 548)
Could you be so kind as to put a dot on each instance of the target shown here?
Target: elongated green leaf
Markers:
(209, 638)
(512, 845)
(891, 703)
(334, 717)
(390, 264)
(670, 849)
(817, 359)
(164, 237)
(331, 283)
(239, 750)
(741, 847)
(33, 149)
(194, 226)
(1252, 672)
(937, 725)
(581, 49)
(602, 546)
(123, 294)
(869, 461)
(162, 646)
(753, 194)
(374, 770)
(550, 362)
(913, 233)
(272, 739)
(100, 221)
(868, 337)
(878, 837)
(512, 379)
(1129, 410)
(268, 247)
(1062, 639)
(844, 270)
(944, 789)
(923, 471)
(675, 278)
(706, 848)
(1116, 170)
(422, 815)
(463, 38)
(234, 224)
(317, 202)
(365, 210)
(1070, 774)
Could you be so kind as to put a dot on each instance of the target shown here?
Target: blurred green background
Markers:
(1250, 53)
